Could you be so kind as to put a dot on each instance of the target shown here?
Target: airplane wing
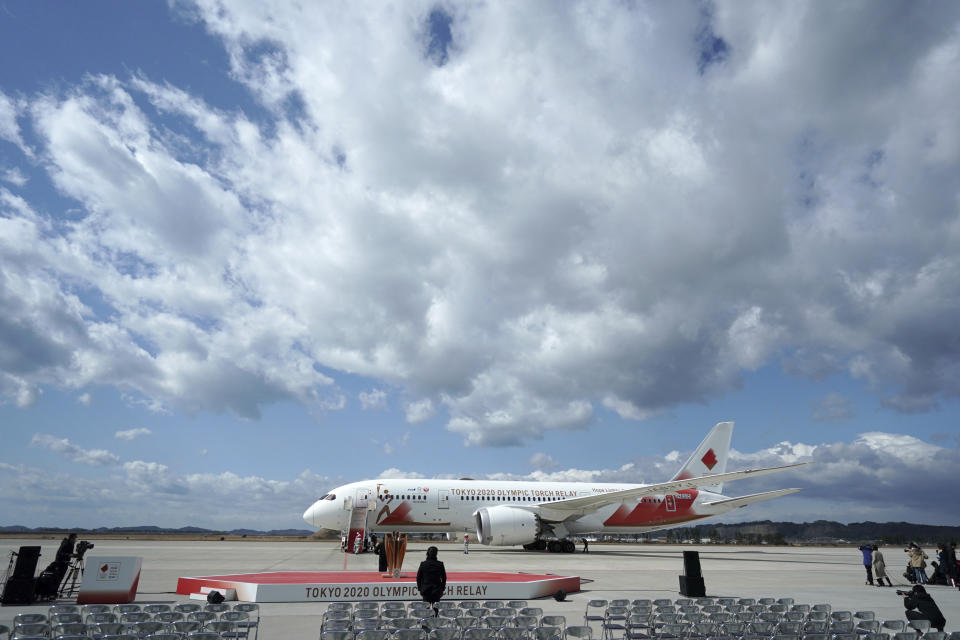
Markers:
(576, 507)
(742, 501)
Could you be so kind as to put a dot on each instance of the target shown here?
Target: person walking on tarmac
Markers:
(867, 552)
(880, 567)
(432, 580)
(586, 547)
(466, 543)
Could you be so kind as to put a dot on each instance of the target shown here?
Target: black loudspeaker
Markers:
(18, 590)
(691, 564)
(692, 587)
(27, 559)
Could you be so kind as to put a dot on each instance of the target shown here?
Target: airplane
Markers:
(541, 515)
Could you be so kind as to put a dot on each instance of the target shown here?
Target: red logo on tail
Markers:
(709, 459)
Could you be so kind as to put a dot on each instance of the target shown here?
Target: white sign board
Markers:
(110, 580)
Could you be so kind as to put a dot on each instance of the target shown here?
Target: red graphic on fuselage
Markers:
(709, 459)
(656, 510)
(402, 516)
(399, 515)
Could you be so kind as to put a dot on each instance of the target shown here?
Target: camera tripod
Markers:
(69, 588)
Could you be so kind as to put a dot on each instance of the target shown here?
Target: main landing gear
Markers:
(553, 546)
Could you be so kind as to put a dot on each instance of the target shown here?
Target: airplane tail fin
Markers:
(710, 457)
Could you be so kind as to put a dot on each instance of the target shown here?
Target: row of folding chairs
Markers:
(400, 604)
(534, 613)
(468, 633)
(141, 629)
(429, 623)
(108, 622)
(740, 618)
(158, 607)
(196, 635)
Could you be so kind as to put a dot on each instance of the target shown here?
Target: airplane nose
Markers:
(310, 515)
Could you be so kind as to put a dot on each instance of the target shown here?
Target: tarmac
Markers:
(810, 575)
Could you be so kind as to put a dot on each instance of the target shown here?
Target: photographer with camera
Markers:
(917, 563)
(926, 609)
(65, 552)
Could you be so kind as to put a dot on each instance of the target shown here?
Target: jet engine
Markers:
(503, 525)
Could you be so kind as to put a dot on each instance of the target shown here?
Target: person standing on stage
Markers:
(432, 580)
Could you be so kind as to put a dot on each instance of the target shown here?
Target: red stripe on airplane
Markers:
(649, 513)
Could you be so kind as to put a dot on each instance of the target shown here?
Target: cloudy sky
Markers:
(250, 251)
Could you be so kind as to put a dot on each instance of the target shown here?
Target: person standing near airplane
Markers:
(432, 580)
(466, 543)
(381, 551)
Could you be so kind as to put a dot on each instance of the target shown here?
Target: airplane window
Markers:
(329, 496)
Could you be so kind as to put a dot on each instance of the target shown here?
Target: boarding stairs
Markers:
(359, 509)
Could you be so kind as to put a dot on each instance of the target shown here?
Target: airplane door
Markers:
(671, 501)
(443, 499)
(363, 497)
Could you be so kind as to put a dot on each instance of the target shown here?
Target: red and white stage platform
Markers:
(334, 586)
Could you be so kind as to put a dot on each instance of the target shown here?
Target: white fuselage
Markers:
(447, 506)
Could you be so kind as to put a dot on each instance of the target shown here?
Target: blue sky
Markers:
(248, 253)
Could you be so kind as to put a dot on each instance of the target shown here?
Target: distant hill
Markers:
(155, 530)
(758, 532)
(820, 531)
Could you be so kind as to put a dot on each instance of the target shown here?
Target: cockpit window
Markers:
(329, 496)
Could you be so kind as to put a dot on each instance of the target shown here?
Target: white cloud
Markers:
(63, 446)
(132, 434)
(419, 411)
(615, 223)
(9, 129)
(15, 177)
(397, 473)
(376, 399)
(390, 448)
(85, 399)
(542, 461)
